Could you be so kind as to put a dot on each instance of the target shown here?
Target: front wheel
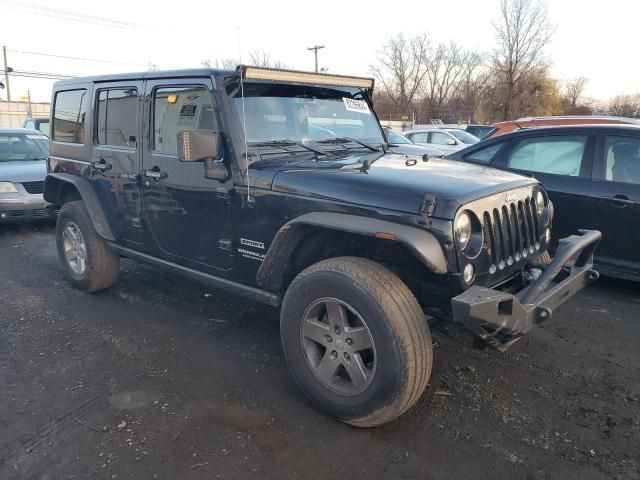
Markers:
(86, 261)
(356, 340)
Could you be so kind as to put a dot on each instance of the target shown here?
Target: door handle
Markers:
(620, 201)
(102, 165)
(155, 174)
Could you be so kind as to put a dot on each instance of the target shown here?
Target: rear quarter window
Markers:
(69, 116)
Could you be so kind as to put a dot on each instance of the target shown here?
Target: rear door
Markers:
(116, 155)
(562, 163)
(616, 192)
(188, 216)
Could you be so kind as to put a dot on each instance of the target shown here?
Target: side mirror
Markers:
(198, 145)
(451, 142)
(203, 146)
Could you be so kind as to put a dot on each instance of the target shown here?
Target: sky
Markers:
(592, 39)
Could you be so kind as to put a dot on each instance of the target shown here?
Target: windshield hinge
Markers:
(428, 205)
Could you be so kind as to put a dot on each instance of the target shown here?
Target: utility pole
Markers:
(6, 73)
(315, 49)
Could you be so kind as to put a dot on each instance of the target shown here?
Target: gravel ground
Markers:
(163, 378)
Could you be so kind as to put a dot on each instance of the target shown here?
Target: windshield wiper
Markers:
(287, 143)
(349, 139)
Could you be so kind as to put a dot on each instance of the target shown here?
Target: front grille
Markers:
(511, 232)
(33, 187)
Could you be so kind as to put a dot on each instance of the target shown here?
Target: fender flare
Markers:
(423, 244)
(53, 188)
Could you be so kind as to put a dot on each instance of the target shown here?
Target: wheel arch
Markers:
(276, 269)
(60, 188)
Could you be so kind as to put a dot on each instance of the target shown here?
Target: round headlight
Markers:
(540, 202)
(463, 230)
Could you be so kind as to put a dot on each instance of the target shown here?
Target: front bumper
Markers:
(501, 318)
(22, 207)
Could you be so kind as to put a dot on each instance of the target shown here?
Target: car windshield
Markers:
(395, 138)
(16, 147)
(43, 126)
(464, 137)
(305, 114)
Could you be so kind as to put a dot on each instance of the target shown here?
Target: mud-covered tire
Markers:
(100, 265)
(398, 330)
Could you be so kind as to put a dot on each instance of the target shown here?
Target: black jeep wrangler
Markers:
(276, 185)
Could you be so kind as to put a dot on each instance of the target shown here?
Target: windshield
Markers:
(464, 137)
(23, 147)
(396, 138)
(43, 126)
(306, 114)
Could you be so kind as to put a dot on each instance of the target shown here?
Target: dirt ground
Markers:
(163, 378)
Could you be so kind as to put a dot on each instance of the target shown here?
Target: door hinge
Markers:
(428, 205)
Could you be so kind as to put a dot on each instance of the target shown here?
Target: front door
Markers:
(616, 190)
(115, 158)
(188, 216)
(562, 163)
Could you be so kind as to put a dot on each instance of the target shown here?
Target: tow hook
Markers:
(532, 274)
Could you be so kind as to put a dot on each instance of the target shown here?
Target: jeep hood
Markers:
(395, 182)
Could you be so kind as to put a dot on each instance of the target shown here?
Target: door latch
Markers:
(102, 165)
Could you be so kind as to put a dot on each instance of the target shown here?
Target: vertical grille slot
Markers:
(488, 235)
(511, 231)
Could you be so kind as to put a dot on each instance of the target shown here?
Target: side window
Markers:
(485, 155)
(557, 155)
(420, 138)
(117, 115)
(69, 112)
(623, 159)
(439, 138)
(30, 125)
(176, 109)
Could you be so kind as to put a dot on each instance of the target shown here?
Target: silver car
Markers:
(23, 168)
(446, 139)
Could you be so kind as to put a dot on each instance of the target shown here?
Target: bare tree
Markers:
(449, 69)
(523, 32)
(574, 89)
(401, 68)
(223, 63)
(261, 58)
(625, 106)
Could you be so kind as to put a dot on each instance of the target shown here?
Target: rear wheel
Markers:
(356, 340)
(86, 261)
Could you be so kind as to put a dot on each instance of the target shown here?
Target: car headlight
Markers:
(7, 187)
(463, 230)
(540, 202)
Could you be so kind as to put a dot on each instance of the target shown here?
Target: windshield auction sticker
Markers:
(359, 106)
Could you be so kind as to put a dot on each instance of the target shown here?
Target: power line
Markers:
(84, 59)
(67, 14)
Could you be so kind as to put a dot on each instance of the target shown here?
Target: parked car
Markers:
(448, 140)
(398, 143)
(23, 169)
(480, 131)
(592, 174)
(37, 123)
(501, 128)
(218, 175)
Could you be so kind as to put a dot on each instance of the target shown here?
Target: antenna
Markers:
(244, 123)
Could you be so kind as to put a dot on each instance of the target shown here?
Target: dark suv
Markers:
(276, 185)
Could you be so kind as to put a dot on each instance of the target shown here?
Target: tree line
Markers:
(418, 79)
